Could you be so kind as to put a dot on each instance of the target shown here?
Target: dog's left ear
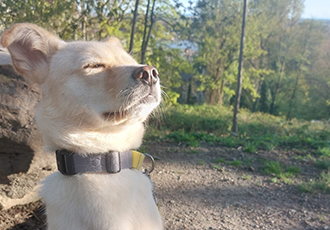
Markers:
(31, 49)
(115, 41)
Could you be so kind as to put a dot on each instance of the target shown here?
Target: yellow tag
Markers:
(137, 159)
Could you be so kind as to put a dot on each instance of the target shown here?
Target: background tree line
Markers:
(196, 48)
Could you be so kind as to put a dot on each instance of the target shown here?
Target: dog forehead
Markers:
(83, 53)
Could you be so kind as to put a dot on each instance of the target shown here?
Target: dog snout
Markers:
(147, 74)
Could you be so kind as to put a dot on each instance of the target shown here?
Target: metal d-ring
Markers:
(146, 171)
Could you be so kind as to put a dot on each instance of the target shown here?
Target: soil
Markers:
(195, 193)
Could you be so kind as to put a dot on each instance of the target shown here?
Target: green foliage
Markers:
(323, 152)
(210, 124)
(284, 71)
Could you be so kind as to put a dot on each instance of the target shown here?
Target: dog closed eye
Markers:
(94, 66)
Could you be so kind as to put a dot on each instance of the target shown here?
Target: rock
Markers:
(19, 138)
(21, 152)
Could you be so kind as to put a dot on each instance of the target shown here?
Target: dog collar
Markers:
(70, 163)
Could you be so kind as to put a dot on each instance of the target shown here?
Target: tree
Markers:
(240, 70)
(147, 29)
(287, 15)
(133, 26)
(53, 15)
(215, 30)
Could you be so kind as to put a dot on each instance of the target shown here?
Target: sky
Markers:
(317, 9)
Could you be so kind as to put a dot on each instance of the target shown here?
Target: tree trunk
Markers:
(83, 22)
(240, 70)
(213, 96)
(276, 90)
(131, 44)
(145, 33)
(152, 21)
(293, 95)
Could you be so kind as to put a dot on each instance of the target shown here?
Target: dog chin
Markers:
(137, 112)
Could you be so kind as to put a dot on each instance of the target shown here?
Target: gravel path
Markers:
(195, 193)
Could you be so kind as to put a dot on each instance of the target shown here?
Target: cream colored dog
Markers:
(95, 98)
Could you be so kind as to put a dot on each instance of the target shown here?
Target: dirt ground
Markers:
(193, 193)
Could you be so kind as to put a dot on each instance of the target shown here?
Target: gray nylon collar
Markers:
(70, 163)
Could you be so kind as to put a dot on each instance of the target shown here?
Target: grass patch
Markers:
(250, 147)
(193, 151)
(200, 162)
(322, 164)
(217, 167)
(235, 163)
(219, 160)
(280, 172)
(323, 152)
(194, 125)
(200, 125)
(321, 184)
(273, 168)
(246, 177)
(247, 161)
(306, 158)
(293, 170)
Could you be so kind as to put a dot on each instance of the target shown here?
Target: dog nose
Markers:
(147, 74)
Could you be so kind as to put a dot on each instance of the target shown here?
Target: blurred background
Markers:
(195, 46)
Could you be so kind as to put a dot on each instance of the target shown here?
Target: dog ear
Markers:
(115, 41)
(31, 48)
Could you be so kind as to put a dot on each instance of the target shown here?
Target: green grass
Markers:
(201, 162)
(293, 170)
(273, 168)
(195, 125)
(217, 167)
(219, 160)
(199, 125)
(280, 172)
(321, 184)
(246, 177)
(251, 147)
(322, 164)
(193, 151)
(235, 163)
(323, 152)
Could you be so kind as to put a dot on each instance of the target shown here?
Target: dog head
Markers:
(91, 90)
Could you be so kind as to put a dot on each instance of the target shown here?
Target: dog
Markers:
(95, 99)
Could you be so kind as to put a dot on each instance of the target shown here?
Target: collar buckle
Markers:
(64, 161)
(113, 162)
